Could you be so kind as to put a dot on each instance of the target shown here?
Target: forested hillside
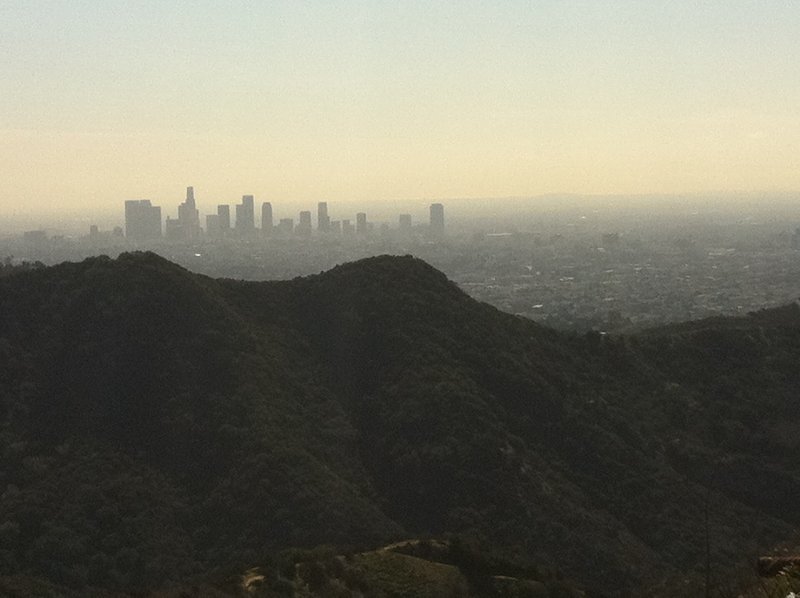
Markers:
(159, 426)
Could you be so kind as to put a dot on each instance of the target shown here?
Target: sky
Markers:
(355, 100)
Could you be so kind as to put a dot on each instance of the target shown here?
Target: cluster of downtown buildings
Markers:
(143, 221)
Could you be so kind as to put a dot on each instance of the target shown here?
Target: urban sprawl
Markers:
(580, 268)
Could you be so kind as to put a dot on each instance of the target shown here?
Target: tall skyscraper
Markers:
(266, 218)
(361, 223)
(246, 216)
(437, 220)
(142, 220)
(304, 225)
(224, 213)
(323, 220)
(187, 226)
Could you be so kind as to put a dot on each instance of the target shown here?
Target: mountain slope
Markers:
(158, 424)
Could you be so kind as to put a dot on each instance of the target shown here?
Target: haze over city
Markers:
(375, 299)
(101, 102)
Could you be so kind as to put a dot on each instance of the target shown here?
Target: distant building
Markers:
(323, 220)
(246, 216)
(142, 220)
(404, 223)
(187, 226)
(336, 227)
(266, 218)
(173, 229)
(304, 225)
(347, 227)
(437, 220)
(212, 225)
(94, 231)
(286, 226)
(224, 213)
(189, 215)
(361, 223)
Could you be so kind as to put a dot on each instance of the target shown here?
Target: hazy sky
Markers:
(107, 100)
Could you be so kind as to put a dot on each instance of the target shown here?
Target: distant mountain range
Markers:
(159, 427)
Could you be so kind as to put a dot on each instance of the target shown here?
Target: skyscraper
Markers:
(304, 226)
(212, 225)
(142, 220)
(437, 220)
(188, 213)
(245, 215)
(323, 220)
(224, 213)
(187, 226)
(266, 218)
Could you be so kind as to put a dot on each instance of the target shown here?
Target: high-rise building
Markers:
(347, 227)
(187, 226)
(323, 220)
(173, 229)
(190, 196)
(361, 223)
(304, 225)
(212, 225)
(224, 213)
(142, 220)
(266, 218)
(437, 220)
(189, 215)
(246, 216)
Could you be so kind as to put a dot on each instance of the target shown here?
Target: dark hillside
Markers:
(159, 426)
(150, 432)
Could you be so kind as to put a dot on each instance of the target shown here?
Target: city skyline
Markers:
(143, 221)
(377, 101)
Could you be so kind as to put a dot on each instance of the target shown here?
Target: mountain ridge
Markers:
(369, 403)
